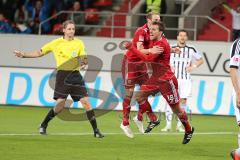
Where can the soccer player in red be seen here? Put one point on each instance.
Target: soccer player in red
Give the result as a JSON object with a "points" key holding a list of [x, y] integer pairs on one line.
{"points": [[163, 79], [135, 71]]}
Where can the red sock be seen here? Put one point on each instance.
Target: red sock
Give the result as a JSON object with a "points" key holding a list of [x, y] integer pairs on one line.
{"points": [[146, 107], [152, 116], [182, 115], [184, 119], [126, 111]]}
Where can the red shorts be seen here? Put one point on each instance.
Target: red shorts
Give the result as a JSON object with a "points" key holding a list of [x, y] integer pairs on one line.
{"points": [[168, 88], [134, 72]]}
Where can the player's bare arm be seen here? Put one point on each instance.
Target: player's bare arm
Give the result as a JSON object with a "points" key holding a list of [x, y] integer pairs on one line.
{"points": [[176, 50], [146, 57], [153, 50], [235, 82], [33, 54], [195, 65]]}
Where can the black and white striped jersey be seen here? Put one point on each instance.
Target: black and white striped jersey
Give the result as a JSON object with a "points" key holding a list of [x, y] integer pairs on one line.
{"points": [[179, 62], [235, 55]]}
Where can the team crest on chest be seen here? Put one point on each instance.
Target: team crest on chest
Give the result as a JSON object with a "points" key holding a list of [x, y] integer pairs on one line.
{"points": [[74, 54]]}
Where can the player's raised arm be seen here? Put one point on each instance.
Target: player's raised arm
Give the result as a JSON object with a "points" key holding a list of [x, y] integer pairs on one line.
{"points": [[34, 54], [154, 49], [143, 56]]}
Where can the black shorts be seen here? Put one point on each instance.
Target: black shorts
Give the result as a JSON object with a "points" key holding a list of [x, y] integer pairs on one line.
{"points": [[69, 83]]}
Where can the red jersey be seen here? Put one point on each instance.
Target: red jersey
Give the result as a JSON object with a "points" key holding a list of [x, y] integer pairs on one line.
{"points": [[142, 34], [160, 62], [163, 58]]}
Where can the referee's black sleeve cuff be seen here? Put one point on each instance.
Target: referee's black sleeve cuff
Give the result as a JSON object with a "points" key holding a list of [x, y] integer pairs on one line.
{"points": [[232, 66]]}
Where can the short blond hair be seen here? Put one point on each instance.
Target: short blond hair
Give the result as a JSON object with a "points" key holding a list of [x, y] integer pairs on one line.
{"points": [[150, 14], [67, 22]]}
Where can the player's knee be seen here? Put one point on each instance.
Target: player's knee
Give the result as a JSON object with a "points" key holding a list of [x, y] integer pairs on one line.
{"points": [[129, 94], [85, 103], [59, 106], [184, 101], [139, 98]]}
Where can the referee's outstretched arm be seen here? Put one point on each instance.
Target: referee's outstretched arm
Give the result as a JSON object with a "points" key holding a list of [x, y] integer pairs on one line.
{"points": [[34, 54]]}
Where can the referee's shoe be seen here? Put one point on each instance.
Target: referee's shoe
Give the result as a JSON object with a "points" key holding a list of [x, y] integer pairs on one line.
{"points": [[43, 130], [98, 134]]}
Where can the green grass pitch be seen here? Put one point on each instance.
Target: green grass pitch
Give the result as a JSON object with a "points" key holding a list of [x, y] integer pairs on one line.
{"points": [[215, 137]]}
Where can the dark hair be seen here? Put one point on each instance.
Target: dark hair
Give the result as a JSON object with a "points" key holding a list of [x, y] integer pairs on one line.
{"points": [[150, 14], [182, 30], [65, 23], [161, 26]]}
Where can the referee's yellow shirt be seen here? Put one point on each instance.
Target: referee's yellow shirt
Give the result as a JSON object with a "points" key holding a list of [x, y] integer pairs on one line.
{"points": [[66, 53]]}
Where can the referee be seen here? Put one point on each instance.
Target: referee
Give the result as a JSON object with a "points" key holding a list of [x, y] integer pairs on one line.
{"points": [[70, 56]]}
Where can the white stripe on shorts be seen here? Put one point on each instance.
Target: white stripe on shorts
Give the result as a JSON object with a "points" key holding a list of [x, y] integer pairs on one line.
{"points": [[174, 90]]}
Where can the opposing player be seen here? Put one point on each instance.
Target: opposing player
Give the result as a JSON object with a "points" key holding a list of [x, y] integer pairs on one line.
{"points": [[182, 65], [70, 56], [135, 71], [163, 79], [235, 77]]}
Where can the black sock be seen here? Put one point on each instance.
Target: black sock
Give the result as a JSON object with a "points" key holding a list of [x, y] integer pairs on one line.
{"points": [[51, 114], [92, 119]]}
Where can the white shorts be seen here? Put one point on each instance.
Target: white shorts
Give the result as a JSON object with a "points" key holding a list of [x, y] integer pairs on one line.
{"points": [[237, 110], [184, 88]]}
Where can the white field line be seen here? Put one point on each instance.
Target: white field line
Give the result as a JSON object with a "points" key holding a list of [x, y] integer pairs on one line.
{"points": [[84, 134]]}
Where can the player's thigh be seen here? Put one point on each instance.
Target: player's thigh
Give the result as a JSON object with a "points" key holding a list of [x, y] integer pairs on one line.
{"points": [[169, 90], [142, 95], [150, 87]]}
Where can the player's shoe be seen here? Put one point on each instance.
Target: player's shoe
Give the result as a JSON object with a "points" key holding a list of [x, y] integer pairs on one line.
{"points": [[126, 129], [42, 130], [188, 136], [180, 129], [166, 129], [139, 124], [98, 134], [151, 125], [234, 155]]}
